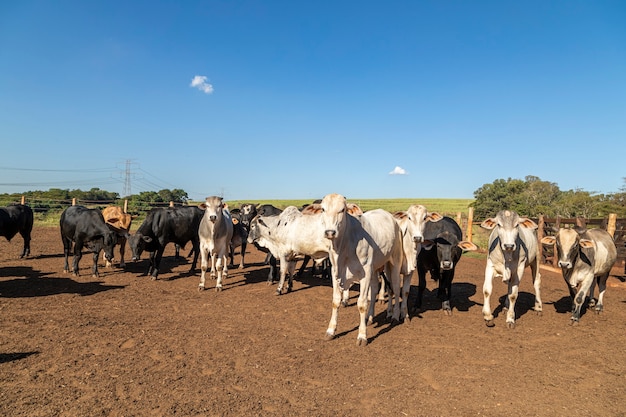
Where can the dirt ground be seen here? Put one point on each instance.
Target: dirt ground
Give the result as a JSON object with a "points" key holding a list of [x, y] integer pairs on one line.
{"points": [[124, 345]]}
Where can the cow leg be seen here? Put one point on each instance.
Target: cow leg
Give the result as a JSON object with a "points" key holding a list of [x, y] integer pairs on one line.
{"points": [[221, 264], [421, 286], [195, 248], [151, 264], [78, 253], [362, 305], [122, 241], [445, 291], [243, 254], [579, 300], [158, 254], [393, 274], [487, 291], [305, 262], [67, 247], [332, 324], [95, 264], [601, 289], [284, 267], [512, 296], [406, 289], [534, 269], [204, 264], [272, 262], [26, 249]]}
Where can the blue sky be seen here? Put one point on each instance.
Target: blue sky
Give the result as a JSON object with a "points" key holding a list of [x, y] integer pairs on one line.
{"points": [[298, 99]]}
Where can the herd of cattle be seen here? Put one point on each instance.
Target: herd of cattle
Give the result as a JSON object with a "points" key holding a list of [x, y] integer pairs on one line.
{"points": [[378, 250]]}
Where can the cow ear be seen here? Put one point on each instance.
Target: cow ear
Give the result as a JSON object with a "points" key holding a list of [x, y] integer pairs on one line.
{"points": [[235, 221], [428, 244], [489, 223], [312, 209], [202, 206], [399, 214], [113, 220], [354, 209], [586, 243], [467, 246], [548, 240], [433, 217], [527, 223]]}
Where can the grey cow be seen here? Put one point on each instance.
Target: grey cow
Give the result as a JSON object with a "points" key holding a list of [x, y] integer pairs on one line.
{"points": [[215, 233], [512, 247], [585, 257]]}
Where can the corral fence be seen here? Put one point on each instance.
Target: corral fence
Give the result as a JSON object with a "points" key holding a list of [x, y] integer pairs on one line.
{"points": [[133, 207]]}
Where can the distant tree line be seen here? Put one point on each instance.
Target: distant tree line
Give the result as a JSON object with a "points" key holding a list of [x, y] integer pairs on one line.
{"points": [[533, 197], [58, 199], [530, 197]]}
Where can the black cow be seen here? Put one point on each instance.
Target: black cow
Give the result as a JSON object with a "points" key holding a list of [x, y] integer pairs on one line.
{"points": [[162, 226], [441, 250], [239, 239], [86, 228], [14, 219]]}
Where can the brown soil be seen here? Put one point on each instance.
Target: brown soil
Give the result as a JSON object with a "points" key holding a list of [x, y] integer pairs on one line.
{"points": [[124, 345]]}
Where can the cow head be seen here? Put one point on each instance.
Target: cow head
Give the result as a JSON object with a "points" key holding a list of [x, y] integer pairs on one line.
{"points": [[108, 244], [506, 225], [569, 244], [137, 243], [449, 249], [413, 221], [247, 213], [213, 208]]}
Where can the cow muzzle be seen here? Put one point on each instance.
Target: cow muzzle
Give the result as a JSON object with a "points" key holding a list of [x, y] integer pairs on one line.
{"points": [[565, 264], [446, 265], [213, 218], [418, 239], [330, 234]]}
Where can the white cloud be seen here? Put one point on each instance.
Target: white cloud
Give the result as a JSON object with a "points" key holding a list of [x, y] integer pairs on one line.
{"points": [[200, 82], [398, 171]]}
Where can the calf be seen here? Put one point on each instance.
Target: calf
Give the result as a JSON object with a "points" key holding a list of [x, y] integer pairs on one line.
{"points": [[178, 225], [441, 251], [585, 257], [85, 227], [360, 246], [14, 219], [240, 239], [216, 233], [120, 223], [512, 247]]}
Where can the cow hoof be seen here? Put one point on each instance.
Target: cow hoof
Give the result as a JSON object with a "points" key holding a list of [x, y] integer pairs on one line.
{"points": [[278, 292], [200, 288], [539, 313], [344, 303], [573, 322], [447, 311], [407, 320], [489, 323], [510, 325], [329, 336], [218, 289], [361, 342]]}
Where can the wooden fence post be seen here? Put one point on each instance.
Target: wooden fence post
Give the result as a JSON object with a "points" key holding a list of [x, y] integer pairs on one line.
{"points": [[74, 201], [171, 204], [540, 235], [23, 201], [470, 220], [125, 206], [612, 224]]}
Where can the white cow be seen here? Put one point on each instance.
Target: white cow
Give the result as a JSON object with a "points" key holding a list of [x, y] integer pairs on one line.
{"points": [[215, 233], [412, 223], [585, 256], [359, 247], [512, 246], [287, 235]]}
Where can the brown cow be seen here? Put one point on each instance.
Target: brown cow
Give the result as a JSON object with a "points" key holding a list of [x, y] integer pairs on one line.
{"points": [[119, 222]]}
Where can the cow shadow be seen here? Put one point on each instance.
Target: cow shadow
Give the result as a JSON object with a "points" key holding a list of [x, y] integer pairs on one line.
{"points": [[16, 356], [525, 303], [462, 292], [33, 283]]}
